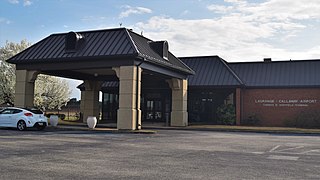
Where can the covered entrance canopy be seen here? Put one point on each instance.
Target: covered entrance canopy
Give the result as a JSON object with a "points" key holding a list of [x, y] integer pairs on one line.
{"points": [[104, 55]]}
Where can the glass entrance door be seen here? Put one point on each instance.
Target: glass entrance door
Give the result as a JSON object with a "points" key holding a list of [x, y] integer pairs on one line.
{"points": [[154, 110]]}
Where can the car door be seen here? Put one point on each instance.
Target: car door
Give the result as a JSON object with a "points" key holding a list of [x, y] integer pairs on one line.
{"points": [[15, 117], [2, 123], [6, 117]]}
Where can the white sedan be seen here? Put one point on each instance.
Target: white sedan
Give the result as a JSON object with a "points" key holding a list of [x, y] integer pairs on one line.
{"points": [[22, 118]]}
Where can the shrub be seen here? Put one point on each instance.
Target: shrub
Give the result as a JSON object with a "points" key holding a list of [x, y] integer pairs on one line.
{"points": [[252, 120], [306, 119], [290, 123], [62, 116], [227, 114]]}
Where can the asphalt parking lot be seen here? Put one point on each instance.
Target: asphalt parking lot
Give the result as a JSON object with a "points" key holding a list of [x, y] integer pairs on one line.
{"points": [[168, 154]]}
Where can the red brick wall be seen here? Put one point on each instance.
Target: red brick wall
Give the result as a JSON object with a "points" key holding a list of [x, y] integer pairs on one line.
{"points": [[274, 107]]}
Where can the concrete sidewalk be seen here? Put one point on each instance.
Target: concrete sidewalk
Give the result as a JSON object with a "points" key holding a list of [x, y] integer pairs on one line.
{"points": [[103, 128], [148, 128], [226, 128]]}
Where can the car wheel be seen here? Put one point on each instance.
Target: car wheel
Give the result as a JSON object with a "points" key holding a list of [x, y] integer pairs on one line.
{"points": [[21, 125]]}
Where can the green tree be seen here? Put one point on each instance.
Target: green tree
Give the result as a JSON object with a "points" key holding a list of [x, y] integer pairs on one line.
{"points": [[50, 92]]}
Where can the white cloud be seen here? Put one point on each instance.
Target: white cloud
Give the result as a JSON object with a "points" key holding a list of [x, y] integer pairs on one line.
{"points": [[13, 1], [281, 10], [185, 12], [133, 10], [235, 1], [243, 32], [93, 18], [220, 9], [4, 20], [27, 2]]}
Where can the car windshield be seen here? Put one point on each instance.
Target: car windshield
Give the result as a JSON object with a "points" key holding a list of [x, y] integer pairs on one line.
{"points": [[34, 111]]}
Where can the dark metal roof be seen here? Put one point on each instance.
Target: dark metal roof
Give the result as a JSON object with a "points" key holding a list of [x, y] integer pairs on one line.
{"points": [[100, 44], [147, 52], [97, 44], [302, 73], [210, 71]]}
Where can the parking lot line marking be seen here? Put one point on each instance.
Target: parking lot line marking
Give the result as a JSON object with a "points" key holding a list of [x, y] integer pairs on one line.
{"points": [[298, 147], [274, 148], [257, 152], [311, 151], [276, 157], [298, 153]]}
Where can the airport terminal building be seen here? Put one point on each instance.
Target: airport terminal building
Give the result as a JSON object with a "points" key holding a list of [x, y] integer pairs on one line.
{"points": [[142, 81]]}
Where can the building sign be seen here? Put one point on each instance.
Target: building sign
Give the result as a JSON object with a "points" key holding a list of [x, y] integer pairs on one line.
{"points": [[285, 102]]}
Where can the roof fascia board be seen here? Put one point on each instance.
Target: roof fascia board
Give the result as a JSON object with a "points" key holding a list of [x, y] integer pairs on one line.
{"points": [[161, 70], [169, 66], [283, 87], [80, 76], [215, 87], [74, 65], [191, 71]]}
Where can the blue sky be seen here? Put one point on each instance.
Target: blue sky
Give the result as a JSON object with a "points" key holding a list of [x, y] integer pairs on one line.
{"points": [[236, 30]]}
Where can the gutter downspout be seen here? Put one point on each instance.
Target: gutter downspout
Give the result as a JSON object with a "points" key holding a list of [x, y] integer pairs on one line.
{"points": [[138, 125]]}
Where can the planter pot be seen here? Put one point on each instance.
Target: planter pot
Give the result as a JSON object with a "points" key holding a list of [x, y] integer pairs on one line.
{"points": [[91, 122], [54, 120]]}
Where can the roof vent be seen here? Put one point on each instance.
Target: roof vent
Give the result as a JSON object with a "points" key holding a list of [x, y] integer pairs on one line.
{"points": [[267, 59], [161, 48], [73, 41]]}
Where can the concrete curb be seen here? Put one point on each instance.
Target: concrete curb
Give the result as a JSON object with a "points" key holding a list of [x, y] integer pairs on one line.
{"points": [[299, 132], [152, 129], [96, 130]]}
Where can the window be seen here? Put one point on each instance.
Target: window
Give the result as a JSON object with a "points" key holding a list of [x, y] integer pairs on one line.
{"points": [[110, 106], [7, 111], [16, 111], [34, 111]]}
